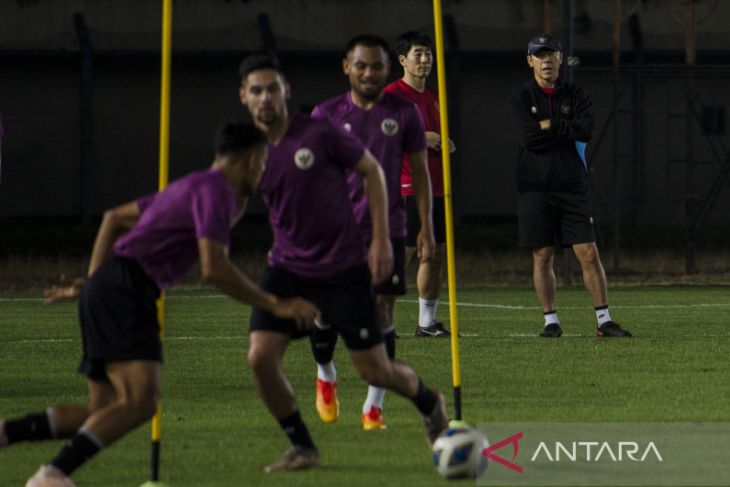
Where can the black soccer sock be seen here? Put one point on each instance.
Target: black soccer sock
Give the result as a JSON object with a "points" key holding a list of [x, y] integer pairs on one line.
{"points": [[389, 337], [297, 431], [33, 427], [425, 399], [77, 451], [323, 344]]}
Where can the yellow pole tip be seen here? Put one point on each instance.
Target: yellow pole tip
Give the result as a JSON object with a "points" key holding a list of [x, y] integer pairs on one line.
{"points": [[457, 423]]}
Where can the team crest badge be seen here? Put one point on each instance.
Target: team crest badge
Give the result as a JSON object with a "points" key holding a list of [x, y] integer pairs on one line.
{"points": [[533, 109], [347, 127], [304, 158], [565, 108], [389, 126]]}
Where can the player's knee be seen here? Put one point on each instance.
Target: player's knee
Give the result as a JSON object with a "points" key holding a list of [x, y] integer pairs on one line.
{"points": [[261, 363], [587, 253], [376, 375]]}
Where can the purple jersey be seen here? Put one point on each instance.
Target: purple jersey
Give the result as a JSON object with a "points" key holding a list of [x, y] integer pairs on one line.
{"points": [[304, 186], [165, 239], [392, 128]]}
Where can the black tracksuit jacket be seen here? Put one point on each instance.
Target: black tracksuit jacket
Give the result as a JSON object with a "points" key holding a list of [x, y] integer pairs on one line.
{"points": [[548, 159]]}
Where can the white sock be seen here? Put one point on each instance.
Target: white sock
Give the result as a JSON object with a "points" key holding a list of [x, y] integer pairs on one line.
{"points": [[427, 311], [551, 317], [327, 372], [602, 315], [51, 423], [376, 395]]}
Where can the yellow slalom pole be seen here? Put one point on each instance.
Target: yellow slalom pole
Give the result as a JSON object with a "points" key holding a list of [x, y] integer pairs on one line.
{"points": [[156, 433], [448, 204]]}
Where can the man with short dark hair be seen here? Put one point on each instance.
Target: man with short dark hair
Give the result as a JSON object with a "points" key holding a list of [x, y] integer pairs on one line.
{"points": [[553, 121], [415, 55], [319, 252], [392, 129], [142, 247]]}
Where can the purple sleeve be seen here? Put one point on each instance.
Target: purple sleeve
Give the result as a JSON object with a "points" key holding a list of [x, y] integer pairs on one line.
{"points": [[144, 202], [415, 136], [317, 112], [212, 213], [346, 149]]}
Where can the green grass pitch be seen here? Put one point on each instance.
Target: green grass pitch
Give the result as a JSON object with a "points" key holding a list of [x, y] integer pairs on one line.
{"points": [[216, 431]]}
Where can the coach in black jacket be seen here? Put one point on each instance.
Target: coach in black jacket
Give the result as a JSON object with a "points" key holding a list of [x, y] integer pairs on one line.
{"points": [[553, 122]]}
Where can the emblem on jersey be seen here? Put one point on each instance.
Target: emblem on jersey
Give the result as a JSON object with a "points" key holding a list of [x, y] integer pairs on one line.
{"points": [[565, 108], [389, 126], [533, 109], [304, 158], [347, 127]]}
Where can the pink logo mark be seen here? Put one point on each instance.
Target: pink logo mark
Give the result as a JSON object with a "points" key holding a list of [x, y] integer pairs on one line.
{"points": [[514, 439]]}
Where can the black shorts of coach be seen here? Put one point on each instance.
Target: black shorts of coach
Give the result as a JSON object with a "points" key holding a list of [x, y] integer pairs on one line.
{"points": [[346, 301], [413, 220], [118, 317], [395, 284], [554, 218]]}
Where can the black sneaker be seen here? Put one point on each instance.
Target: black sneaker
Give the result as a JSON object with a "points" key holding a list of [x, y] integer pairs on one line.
{"points": [[435, 330], [552, 331], [611, 329]]}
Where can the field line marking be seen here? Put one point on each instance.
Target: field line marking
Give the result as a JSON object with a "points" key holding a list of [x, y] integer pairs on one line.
{"points": [[461, 304]]}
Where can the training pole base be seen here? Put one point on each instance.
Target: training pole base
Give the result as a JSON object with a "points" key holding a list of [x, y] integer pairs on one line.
{"points": [[154, 484]]}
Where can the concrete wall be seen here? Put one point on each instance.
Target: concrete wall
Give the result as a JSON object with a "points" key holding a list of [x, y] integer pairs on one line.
{"points": [[40, 102]]}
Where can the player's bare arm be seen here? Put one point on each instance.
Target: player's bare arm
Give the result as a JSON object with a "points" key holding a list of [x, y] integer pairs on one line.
{"points": [[380, 254], [115, 223], [425, 242], [217, 269]]}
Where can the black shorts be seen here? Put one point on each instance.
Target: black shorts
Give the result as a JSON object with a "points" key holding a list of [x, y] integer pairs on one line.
{"points": [[413, 221], [396, 283], [345, 300], [547, 219], [118, 317]]}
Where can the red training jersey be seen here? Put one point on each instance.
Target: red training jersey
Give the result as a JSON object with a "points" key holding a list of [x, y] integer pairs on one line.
{"points": [[428, 105]]}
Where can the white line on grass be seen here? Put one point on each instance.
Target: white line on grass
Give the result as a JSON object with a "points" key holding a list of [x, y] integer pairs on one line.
{"points": [[517, 307]]}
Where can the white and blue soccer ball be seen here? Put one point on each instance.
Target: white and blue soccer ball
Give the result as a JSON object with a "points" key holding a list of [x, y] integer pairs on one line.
{"points": [[457, 453]]}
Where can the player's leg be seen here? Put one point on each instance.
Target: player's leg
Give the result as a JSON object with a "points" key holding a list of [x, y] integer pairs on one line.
{"points": [[372, 408], [323, 339], [136, 390], [355, 316], [537, 219], [374, 366], [594, 278], [385, 296], [428, 279], [268, 340], [56, 422], [265, 354], [577, 230]]}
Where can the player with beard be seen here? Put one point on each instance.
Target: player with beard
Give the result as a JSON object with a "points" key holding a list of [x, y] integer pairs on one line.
{"points": [[318, 252], [392, 129]]}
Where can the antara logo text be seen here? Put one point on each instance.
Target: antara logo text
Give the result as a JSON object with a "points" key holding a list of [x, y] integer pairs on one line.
{"points": [[576, 451]]}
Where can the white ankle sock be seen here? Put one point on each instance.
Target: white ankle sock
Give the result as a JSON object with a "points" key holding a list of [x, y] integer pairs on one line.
{"points": [[602, 315], [376, 395], [427, 311], [327, 372], [551, 317]]}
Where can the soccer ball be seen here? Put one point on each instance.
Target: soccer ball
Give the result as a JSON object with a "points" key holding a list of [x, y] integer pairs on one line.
{"points": [[457, 453]]}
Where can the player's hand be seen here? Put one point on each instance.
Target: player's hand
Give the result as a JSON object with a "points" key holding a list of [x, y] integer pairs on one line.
{"points": [[61, 292], [300, 310], [425, 244], [545, 124], [433, 140], [452, 147], [380, 259]]}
